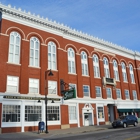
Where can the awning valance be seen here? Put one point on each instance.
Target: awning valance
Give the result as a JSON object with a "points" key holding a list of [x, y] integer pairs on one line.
{"points": [[128, 110]]}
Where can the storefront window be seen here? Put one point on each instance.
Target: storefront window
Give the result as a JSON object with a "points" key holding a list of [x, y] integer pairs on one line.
{"points": [[11, 113], [33, 113], [53, 113], [72, 113], [100, 113]]}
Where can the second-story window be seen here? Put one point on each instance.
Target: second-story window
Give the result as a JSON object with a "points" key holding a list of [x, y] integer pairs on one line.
{"points": [[106, 68], [115, 68], [124, 72], [127, 96], [96, 66], [71, 61], [33, 85], [109, 92], [131, 73], [34, 52], [51, 55], [86, 91], [14, 48], [134, 94], [84, 63]]}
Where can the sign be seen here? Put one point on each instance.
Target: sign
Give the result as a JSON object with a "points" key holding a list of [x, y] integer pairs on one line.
{"points": [[29, 98], [69, 94]]}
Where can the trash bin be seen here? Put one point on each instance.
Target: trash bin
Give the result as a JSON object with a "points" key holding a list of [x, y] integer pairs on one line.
{"points": [[41, 126]]}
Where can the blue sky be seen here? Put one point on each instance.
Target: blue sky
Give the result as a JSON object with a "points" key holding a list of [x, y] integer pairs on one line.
{"points": [[116, 21]]}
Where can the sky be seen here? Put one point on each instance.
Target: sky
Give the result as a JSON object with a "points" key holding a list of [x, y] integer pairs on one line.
{"points": [[116, 21]]}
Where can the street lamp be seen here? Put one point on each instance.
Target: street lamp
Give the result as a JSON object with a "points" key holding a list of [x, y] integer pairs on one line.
{"points": [[47, 73]]}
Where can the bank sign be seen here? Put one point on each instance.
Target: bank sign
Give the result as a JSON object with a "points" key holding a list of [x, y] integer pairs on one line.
{"points": [[69, 94]]}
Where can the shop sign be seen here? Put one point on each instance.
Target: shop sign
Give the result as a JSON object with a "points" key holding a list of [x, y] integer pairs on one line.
{"points": [[69, 94], [29, 98]]}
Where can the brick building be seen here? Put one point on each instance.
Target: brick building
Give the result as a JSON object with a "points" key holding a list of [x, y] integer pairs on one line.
{"points": [[106, 76]]}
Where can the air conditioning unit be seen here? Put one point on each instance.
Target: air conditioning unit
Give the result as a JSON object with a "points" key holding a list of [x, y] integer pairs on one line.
{"points": [[109, 81]]}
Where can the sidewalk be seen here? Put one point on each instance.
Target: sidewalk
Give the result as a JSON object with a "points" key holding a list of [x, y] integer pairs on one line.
{"points": [[52, 133]]}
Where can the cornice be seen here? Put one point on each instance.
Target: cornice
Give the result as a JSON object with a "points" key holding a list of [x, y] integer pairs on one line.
{"points": [[44, 22]]}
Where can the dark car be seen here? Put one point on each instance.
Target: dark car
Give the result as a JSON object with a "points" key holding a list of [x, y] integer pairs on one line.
{"points": [[124, 121]]}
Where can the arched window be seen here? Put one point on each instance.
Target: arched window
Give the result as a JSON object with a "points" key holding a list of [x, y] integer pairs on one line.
{"points": [[96, 66], [106, 68], [131, 73], [84, 63], [115, 68], [124, 72], [71, 60], [51, 55], [34, 51], [14, 48]]}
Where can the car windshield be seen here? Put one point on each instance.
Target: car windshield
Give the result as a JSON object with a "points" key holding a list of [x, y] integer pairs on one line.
{"points": [[121, 117]]}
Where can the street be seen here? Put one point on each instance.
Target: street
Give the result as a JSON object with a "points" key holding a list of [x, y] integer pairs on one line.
{"points": [[98, 133], [130, 133]]}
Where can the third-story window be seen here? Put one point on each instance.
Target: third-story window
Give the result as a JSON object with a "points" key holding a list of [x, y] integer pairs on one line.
{"points": [[131, 73], [14, 48], [33, 85], [109, 92], [51, 55], [71, 61], [124, 72], [86, 90], [98, 91], [134, 94], [84, 63], [127, 94], [96, 66], [106, 68], [34, 52], [118, 93], [115, 68]]}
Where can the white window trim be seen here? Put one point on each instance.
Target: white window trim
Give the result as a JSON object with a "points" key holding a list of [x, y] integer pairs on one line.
{"points": [[100, 91], [124, 71], [37, 87], [53, 89], [106, 67], [89, 91], [115, 69], [73, 121], [34, 54], [100, 119], [75, 88], [133, 94], [131, 73], [96, 64], [120, 93], [71, 59], [128, 94], [111, 93], [51, 57], [14, 48], [84, 62], [17, 84]]}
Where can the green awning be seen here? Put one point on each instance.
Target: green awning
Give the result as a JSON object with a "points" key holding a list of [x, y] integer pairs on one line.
{"points": [[128, 110]]}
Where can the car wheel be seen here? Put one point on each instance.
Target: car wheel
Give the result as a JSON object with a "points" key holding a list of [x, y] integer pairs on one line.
{"points": [[135, 123], [124, 125]]}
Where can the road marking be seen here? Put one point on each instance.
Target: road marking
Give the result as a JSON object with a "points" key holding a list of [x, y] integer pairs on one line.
{"points": [[133, 138]]}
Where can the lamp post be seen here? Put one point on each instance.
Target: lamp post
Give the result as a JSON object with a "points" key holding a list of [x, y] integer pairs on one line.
{"points": [[47, 73]]}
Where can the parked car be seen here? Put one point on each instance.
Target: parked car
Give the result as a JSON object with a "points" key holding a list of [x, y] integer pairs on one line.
{"points": [[124, 121]]}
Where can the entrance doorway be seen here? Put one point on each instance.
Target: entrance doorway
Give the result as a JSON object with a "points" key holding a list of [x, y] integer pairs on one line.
{"points": [[87, 119], [110, 112]]}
